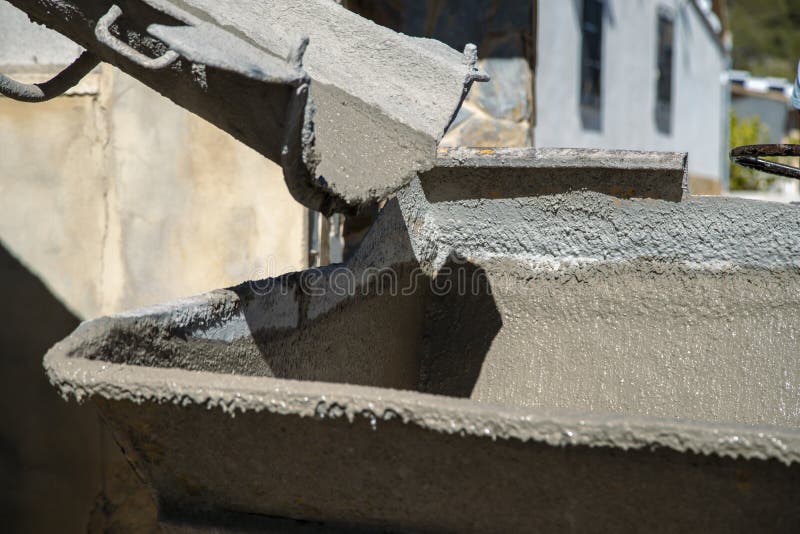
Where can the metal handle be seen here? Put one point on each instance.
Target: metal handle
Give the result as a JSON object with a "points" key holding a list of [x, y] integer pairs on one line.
{"points": [[103, 33], [749, 156], [57, 85]]}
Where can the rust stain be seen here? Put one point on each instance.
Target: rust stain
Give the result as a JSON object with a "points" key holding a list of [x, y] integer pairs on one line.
{"points": [[622, 192]]}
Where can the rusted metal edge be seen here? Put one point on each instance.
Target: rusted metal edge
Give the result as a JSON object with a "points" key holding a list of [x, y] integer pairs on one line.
{"points": [[462, 173], [750, 156]]}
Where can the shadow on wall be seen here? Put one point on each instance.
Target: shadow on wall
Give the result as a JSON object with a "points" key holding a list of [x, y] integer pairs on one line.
{"points": [[393, 327], [460, 324], [49, 449], [61, 470]]}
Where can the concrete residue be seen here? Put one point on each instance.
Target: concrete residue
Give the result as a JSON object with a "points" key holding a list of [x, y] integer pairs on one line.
{"points": [[555, 210], [548, 327], [571, 319], [587, 301], [234, 394], [376, 106], [526, 172]]}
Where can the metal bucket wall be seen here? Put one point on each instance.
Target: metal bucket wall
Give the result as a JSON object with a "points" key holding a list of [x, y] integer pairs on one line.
{"points": [[565, 298], [675, 307], [596, 358]]}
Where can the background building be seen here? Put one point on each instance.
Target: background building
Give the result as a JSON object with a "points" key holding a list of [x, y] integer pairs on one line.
{"points": [[761, 112], [647, 75], [637, 75], [766, 98]]}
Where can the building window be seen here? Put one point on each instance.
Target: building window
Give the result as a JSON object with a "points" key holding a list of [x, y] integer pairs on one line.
{"points": [[591, 62], [664, 73]]}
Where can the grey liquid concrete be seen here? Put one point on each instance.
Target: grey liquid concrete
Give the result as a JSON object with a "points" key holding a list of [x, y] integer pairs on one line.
{"points": [[618, 362]]}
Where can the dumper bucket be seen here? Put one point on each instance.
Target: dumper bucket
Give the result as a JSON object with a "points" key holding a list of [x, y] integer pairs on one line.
{"points": [[525, 340]]}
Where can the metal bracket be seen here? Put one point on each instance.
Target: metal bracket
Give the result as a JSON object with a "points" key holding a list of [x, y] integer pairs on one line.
{"points": [[750, 156], [103, 33]]}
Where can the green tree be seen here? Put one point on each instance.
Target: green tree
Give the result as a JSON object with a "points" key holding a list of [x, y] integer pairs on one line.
{"points": [[766, 36], [748, 131]]}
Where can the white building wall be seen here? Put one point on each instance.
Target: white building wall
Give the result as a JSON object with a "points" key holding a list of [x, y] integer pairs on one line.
{"points": [[629, 82]]}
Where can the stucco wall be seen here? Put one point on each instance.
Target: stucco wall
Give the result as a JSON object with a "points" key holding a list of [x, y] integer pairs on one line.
{"points": [[117, 198], [111, 197], [629, 82]]}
